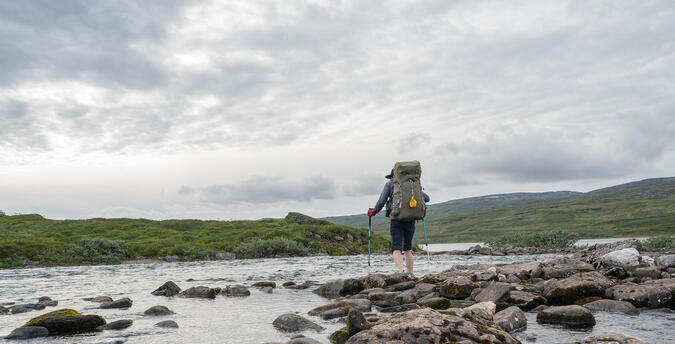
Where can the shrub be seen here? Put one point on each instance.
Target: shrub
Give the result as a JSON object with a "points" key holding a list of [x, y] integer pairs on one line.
{"points": [[545, 239], [660, 243], [275, 247], [96, 251]]}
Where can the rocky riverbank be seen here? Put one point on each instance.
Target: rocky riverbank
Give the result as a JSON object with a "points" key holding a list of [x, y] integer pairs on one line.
{"points": [[473, 303]]}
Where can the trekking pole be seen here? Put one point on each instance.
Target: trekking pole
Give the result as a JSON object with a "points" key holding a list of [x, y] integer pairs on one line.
{"points": [[426, 242], [369, 229]]}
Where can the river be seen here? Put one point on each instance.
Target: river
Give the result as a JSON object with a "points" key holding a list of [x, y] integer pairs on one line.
{"points": [[249, 319]]}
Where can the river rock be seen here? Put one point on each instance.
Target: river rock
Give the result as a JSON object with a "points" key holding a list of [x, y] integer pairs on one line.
{"points": [[356, 322], [236, 291], [482, 310], [200, 292], [609, 338], [435, 303], [294, 323], [24, 308], [28, 332], [375, 281], [617, 272], [572, 316], [3, 310], [496, 292], [117, 325], [647, 272], [525, 300], [396, 278], [614, 306], [99, 299], [511, 319], [66, 320], [643, 295], [666, 261], [167, 289], [429, 326], [340, 288], [303, 340], [457, 287], [158, 311], [167, 324], [620, 258], [401, 286], [47, 301], [265, 284], [523, 271], [121, 303], [414, 294], [563, 267], [578, 286], [399, 308]]}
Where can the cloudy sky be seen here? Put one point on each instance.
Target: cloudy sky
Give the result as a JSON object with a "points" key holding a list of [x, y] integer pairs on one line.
{"points": [[250, 109]]}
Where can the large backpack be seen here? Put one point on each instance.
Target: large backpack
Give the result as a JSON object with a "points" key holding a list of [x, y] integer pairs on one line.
{"points": [[407, 200]]}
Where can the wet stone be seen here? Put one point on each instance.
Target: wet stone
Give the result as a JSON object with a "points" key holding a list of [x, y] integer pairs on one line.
{"points": [[167, 324], [28, 332]]}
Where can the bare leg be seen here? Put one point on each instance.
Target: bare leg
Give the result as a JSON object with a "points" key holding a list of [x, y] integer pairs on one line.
{"points": [[409, 260], [398, 260]]}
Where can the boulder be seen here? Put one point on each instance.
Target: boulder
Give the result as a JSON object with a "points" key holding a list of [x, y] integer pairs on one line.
{"points": [[158, 311], [66, 320], [47, 301], [666, 261], [620, 258], [375, 281], [642, 295], [609, 338], [356, 322], [435, 303], [647, 272], [167, 324], [580, 285], [522, 270], [117, 325], [121, 303], [457, 287], [167, 289], [429, 326], [384, 299], [339, 337], [340, 288], [236, 291], [396, 278], [482, 310], [200, 292], [28, 332], [613, 306], [511, 319], [399, 308], [617, 272], [99, 299], [401, 286], [294, 323], [526, 301], [303, 340], [571, 316], [23, 308], [412, 295], [496, 292], [563, 267]]}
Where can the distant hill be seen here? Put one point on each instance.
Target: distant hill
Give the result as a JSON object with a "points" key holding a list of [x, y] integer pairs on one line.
{"points": [[641, 208]]}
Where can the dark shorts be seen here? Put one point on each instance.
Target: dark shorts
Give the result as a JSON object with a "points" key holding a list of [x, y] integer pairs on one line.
{"points": [[401, 235]]}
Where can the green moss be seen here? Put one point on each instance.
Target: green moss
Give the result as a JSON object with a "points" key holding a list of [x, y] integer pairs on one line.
{"points": [[339, 336]]}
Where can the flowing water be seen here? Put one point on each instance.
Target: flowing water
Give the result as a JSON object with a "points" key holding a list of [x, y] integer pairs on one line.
{"points": [[249, 319]]}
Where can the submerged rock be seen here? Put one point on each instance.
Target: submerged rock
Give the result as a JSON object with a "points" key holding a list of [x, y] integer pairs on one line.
{"points": [[28, 332], [236, 291], [167, 324], [121, 303], [158, 311], [609, 338], [200, 292], [65, 320], [265, 284], [167, 289], [99, 299], [117, 325], [429, 326], [571, 316], [340, 288], [294, 323]]}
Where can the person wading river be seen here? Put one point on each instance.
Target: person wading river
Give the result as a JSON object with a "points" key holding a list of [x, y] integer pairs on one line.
{"points": [[405, 202]]}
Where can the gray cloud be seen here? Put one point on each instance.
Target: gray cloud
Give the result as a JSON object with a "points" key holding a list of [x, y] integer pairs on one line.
{"points": [[262, 190]]}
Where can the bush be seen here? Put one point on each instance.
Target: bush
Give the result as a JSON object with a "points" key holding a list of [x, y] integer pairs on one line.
{"points": [[275, 247], [660, 243], [96, 251], [546, 239]]}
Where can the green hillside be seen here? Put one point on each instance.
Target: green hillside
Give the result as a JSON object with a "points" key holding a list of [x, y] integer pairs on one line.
{"points": [[644, 208], [54, 242]]}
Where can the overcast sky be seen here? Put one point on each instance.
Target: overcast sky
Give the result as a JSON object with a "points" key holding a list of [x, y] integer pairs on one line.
{"points": [[250, 109]]}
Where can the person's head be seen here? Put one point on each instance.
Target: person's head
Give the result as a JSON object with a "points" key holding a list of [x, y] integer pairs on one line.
{"points": [[390, 175]]}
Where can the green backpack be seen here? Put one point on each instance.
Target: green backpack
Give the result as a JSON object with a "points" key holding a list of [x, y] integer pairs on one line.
{"points": [[407, 201]]}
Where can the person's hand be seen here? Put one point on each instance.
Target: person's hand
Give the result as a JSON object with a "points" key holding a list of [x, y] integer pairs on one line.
{"points": [[370, 212]]}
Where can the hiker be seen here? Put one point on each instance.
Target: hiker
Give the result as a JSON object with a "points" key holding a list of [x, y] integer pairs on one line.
{"points": [[402, 227]]}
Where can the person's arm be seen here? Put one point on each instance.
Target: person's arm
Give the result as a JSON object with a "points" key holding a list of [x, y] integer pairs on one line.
{"points": [[384, 195], [426, 197]]}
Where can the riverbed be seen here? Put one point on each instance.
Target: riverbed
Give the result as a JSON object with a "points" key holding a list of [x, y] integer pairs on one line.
{"points": [[249, 319]]}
